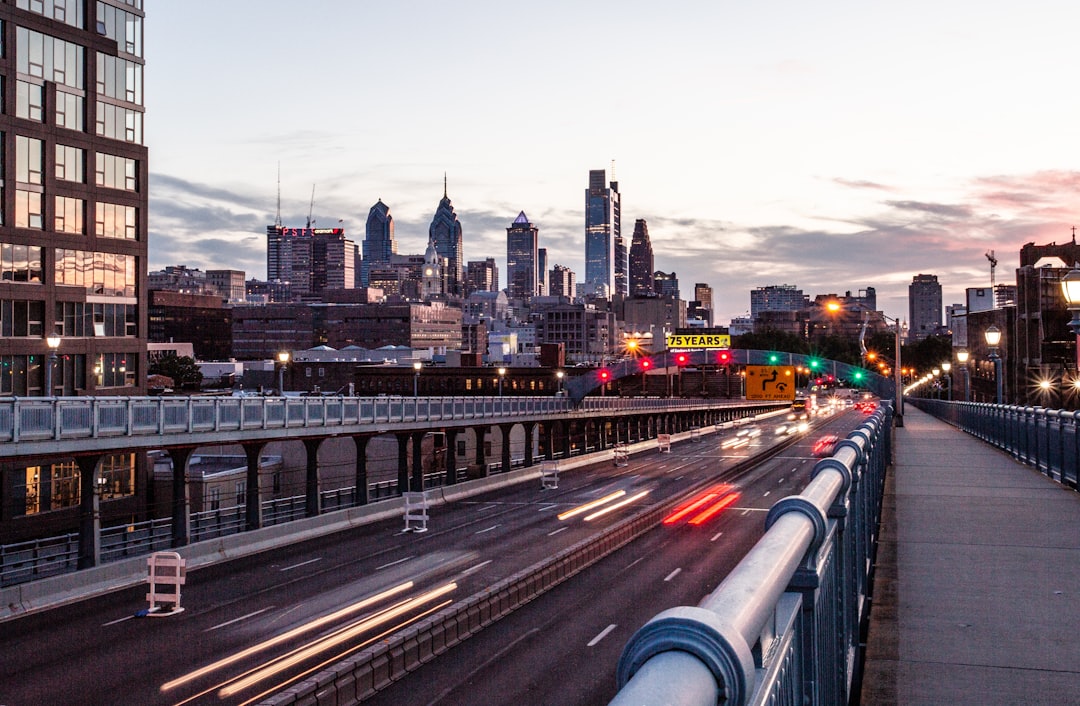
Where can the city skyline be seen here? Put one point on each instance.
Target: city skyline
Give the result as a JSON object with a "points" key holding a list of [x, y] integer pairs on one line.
{"points": [[832, 147]]}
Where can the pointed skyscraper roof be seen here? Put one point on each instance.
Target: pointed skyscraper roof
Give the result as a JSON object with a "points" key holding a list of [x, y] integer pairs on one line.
{"points": [[522, 219]]}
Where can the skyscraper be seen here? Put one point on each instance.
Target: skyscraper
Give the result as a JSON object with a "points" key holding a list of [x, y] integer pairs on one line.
{"points": [[602, 234], [73, 225], [521, 246], [379, 242], [924, 306], [641, 261], [311, 260], [445, 232], [541, 271], [665, 284], [481, 276], [562, 282]]}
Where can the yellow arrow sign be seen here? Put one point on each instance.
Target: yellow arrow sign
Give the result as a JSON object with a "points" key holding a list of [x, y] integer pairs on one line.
{"points": [[770, 382]]}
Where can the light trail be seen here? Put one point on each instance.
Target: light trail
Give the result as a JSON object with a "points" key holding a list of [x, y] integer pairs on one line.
{"points": [[616, 506], [313, 649], [724, 502], [590, 505], [306, 627]]}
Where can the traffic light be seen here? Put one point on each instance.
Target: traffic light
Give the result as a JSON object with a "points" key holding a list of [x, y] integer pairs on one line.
{"points": [[813, 363], [605, 375], [646, 363], [724, 357], [774, 359], [682, 359], [858, 376]]}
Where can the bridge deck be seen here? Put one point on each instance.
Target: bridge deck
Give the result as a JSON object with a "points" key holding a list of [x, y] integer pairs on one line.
{"points": [[977, 592]]}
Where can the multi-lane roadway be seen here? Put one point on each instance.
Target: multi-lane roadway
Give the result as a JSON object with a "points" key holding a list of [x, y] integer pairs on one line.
{"points": [[252, 626]]}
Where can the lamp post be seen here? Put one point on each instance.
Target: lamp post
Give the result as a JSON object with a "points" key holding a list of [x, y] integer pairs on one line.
{"points": [[502, 374], [937, 389], [993, 338], [945, 368], [416, 366], [559, 375], [53, 342], [283, 360], [962, 357], [1070, 287]]}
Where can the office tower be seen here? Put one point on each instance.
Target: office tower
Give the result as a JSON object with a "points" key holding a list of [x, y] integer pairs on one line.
{"points": [[73, 225], [481, 276], [924, 306], [445, 232], [602, 232], [703, 294], [311, 260], [562, 281], [777, 297], [665, 284], [641, 261], [521, 256], [542, 271], [379, 242]]}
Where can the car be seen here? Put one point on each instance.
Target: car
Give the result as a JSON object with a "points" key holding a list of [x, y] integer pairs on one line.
{"points": [[825, 446]]}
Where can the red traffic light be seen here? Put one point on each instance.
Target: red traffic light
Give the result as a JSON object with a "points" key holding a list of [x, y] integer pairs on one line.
{"points": [[724, 357], [605, 375], [682, 358], [646, 363]]}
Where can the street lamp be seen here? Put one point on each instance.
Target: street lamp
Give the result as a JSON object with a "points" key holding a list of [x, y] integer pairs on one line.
{"points": [[283, 360], [962, 357], [559, 375], [502, 374], [1070, 287], [945, 368], [993, 338], [53, 342], [416, 366]]}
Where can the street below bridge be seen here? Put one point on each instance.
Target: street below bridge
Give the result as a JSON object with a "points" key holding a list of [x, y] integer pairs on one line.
{"points": [[333, 595]]}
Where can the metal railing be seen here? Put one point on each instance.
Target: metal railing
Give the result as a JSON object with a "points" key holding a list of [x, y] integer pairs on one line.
{"points": [[73, 418], [1047, 439], [783, 627]]}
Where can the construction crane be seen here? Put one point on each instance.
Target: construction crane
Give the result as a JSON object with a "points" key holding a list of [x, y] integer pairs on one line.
{"points": [[993, 266], [311, 208]]}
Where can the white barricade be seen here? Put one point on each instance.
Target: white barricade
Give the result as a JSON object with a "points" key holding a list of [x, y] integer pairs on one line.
{"points": [[621, 454], [166, 574], [549, 475], [416, 512], [663, 443], [695, 433]]}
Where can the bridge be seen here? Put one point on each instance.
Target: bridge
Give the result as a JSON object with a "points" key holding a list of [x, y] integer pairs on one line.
{"points": [[937, 604]]}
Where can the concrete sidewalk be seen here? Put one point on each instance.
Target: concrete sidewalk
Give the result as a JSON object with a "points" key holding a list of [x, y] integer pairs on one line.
{"points": [[976, 597]]}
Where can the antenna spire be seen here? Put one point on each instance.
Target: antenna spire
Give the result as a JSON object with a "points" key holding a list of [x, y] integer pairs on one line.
{"points": [[445, 196], [277, 218], [311, 208]]}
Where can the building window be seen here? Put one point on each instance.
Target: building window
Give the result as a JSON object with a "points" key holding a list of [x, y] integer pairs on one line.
{"points": [[22, 319], [119, 123], [20, 263], [28, 209], [29, 99], [69, 111], [115, 370], [64, 486], [112, 220], [116, 478], [29, 159], [70, 12], [115, 172], [124, 27], [70, 164], [120, 79], [48, 58], [69, 215], [241, 492], [109, 274]]}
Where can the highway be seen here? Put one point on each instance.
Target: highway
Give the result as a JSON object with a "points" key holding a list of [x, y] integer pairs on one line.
{"points": [[252, 626]]}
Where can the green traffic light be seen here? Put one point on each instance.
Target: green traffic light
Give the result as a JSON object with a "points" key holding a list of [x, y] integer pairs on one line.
{"points": [[858, 375], [814, 363], [773, 358]]}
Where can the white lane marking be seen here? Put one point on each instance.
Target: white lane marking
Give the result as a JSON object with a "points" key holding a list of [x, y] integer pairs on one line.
{"points": [[549, 507], [672, 575], [399, 561], [766, 494], [303, 563], [236, 620], [601, 636], [119, 620], [487, 530], [746, 512], [485, 509], [561, 529], [635, 561], [716, 536]]}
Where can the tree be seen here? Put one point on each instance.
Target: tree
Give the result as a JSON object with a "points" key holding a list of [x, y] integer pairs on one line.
{"points": [[182, 369]]}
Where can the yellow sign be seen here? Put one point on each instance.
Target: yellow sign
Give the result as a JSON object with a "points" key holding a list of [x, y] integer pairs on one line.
{"points": [[770, 382], [696, 340]]}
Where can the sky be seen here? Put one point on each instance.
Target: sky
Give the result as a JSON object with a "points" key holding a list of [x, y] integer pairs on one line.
{"points": [[833, 145]]}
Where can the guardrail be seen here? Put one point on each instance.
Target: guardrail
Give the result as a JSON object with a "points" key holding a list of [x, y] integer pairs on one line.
{"points": [[1047, 439], [72, 418], [783, 627]]}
